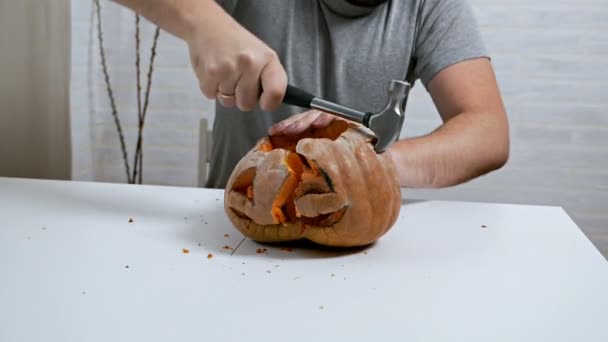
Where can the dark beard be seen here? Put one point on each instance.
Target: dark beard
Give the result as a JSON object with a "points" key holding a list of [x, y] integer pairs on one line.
{"points": [[365, 3]]}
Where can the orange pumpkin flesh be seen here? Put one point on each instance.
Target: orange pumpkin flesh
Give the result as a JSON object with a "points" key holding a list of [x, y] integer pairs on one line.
{"points": [[326, 185]]}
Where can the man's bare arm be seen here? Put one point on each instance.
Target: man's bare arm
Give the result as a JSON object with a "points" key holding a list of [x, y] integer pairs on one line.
{"points": [[225, 56], [474, 138]]}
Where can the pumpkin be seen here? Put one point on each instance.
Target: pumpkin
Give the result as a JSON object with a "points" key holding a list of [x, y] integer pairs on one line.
{"points": [[326, 185]]}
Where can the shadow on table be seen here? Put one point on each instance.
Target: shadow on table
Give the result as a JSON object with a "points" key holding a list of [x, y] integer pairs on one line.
{"points": [[411, 201], [300, 249]]}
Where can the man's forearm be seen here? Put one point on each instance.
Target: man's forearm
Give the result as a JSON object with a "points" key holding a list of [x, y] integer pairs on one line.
{"points": [[465, 147], [178, 17]]}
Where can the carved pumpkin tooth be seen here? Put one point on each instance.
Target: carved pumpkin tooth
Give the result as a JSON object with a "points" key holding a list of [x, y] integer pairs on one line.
{"points": [[266, 146], [283, 208]]}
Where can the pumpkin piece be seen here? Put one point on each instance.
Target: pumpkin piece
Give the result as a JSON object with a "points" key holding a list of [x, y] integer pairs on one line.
{"points": [[326, 185], [285, 195]]}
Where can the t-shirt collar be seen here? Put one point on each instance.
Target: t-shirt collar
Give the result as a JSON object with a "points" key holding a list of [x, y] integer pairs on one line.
{"points": [[344, 8]]}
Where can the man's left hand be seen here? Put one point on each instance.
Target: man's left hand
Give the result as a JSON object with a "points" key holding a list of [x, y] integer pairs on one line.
{"points": [[299, 123]]}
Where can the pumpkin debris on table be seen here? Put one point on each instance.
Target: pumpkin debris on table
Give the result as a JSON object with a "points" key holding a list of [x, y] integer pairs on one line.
{"points": [[326, 185], [185, 251]]}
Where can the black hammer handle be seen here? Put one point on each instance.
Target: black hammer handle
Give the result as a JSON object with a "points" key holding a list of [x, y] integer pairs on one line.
{"points": [[297, 97]]}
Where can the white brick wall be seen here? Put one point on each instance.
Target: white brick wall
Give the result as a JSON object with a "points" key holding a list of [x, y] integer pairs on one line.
{"points": [[550, 59], [171, 132]]}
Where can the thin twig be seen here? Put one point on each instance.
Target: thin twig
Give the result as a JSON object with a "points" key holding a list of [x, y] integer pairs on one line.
{"points": [[139, 112], [139, 149], [110, 93]]}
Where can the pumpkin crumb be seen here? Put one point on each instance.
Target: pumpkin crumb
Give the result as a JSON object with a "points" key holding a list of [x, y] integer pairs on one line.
{"points": [[226, 235], [260, 250], [321, 307], [227, 247], [185, 250], [126, 266], [130, 220], [287, 249], [365, 252], [333, 275], [483, 226], [209, 256]]}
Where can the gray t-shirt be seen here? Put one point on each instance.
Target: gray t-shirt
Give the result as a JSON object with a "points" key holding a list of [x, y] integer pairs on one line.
{"points": [[342, 53]]}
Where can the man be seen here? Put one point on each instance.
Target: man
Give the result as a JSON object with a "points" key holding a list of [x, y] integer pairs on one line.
{"points": [[245, 52]]}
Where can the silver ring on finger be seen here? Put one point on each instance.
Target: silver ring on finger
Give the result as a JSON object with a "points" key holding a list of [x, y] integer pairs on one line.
{"points": [[227, 100]]}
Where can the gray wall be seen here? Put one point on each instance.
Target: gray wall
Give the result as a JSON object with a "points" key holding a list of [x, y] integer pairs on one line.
{"points": [[550, 58]]}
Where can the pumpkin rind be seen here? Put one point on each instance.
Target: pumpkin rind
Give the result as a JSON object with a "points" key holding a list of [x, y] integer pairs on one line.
{"points": [[346, 194]]}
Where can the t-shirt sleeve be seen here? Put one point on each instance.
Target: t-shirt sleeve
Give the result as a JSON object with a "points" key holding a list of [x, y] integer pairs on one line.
{"points": [[447, 34]]}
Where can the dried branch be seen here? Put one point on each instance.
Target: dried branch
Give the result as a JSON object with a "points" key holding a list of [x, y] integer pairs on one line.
{"points": [[139, 150], [139, 112], [110, 92]]}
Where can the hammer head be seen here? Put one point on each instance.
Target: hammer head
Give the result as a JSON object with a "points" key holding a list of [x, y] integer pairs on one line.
{"points": [[387, 124]]}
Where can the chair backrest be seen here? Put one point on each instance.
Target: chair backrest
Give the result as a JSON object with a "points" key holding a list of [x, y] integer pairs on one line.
{"points": [[204, 152]]}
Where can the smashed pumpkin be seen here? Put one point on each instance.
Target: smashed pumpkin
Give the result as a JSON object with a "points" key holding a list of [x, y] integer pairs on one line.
{"points": [[327, 185]]}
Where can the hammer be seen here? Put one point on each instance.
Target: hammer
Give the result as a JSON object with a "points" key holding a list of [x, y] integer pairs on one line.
{"points": [[386, 124]]}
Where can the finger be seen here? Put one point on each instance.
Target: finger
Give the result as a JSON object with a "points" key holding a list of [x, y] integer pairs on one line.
{"points": [[209, 76], [247, 90], [274, 85], [226, 90], [206, 88], [300, 125], [323, 120], [279, 128]]}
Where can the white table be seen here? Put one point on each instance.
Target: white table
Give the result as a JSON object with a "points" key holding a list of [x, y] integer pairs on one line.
{"points": [[73, 268]]}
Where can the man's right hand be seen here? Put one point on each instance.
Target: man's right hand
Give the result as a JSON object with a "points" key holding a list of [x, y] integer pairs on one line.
{"points": [[235, 67], [232, 65]]}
